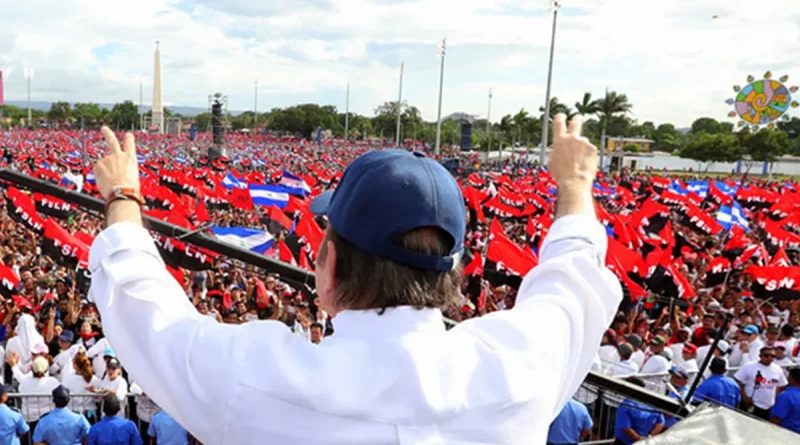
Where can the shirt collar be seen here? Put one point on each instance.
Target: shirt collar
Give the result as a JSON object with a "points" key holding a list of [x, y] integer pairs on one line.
{"points": [[393, 322]]}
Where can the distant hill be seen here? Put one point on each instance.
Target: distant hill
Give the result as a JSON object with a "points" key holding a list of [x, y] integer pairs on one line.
{"points": [[182, 110]]}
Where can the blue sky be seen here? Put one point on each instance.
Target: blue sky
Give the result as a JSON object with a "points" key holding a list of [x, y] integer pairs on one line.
{"points": [[673, 59]]}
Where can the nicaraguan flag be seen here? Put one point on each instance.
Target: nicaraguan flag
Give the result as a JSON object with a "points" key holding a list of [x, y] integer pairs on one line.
{"points": [[141, 158], [181, 159], [727, 217], [725, 188], [90, 178], [267, 195], [253, 240], [676, 187], [230, 181], [72, 181], [294, 184], [700, 188]]}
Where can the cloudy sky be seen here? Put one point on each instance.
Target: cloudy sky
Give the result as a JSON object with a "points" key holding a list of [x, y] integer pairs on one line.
{"points": [[671, 57]]}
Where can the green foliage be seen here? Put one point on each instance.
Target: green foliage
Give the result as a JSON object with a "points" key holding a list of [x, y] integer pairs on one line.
{"points": [[91, 113], [631, 148], [765, 145], [610, 106], [202, 122], [706, 147], [385, 120], [666, 138], [707, 125], [59, 112], [303, 119], [587, 105], [124, 116]]}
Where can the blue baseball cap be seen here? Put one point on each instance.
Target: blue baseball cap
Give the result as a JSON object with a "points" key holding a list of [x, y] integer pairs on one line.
{"points": [[750, 329], [385, 194]]}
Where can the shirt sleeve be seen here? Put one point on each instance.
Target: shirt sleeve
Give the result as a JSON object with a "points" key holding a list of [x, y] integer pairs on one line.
{"points": [[563, 307], [624, 418], [23, 427], [184, 361], [85, 427], [151, 430], [742, 374], [586, 423], [136, 438], [781, 407]]}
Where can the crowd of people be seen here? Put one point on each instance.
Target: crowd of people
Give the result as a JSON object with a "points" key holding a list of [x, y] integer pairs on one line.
{"points": [[699, 259]]}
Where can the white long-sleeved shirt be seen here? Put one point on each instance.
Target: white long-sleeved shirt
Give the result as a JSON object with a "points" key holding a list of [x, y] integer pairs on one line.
{"points": [[396, 378]]}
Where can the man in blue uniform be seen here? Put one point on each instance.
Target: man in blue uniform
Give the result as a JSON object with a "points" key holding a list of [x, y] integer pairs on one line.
{"points": [[679, 379], [166, 431], [719, 388], [12, 425], [62, 426], [636, 421], [572, 424], [113, 429], [786, 411]]}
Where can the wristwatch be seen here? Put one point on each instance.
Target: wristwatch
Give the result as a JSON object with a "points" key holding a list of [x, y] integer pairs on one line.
{"points": [[128, 193]]}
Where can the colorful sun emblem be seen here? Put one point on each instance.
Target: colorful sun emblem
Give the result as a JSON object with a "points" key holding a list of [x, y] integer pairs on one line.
{"points": [[763, 102]]}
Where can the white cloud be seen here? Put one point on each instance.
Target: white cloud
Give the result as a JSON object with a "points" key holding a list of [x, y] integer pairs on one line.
{"points": [[673, 60]]}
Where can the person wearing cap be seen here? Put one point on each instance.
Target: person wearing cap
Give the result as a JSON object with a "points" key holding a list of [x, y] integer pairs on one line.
{"points": [[40, 384], [678, 389], [113, 382], [389, 262], [61, 426], [747, 341], [657, 361], [722, 350], [689, 354], [681, 337], [781, 359], [636, 421], [62, 363], [113, 429], [719, 388], [12, 425], [760, 381], [625, 366], [786, 411], [638, 355]]}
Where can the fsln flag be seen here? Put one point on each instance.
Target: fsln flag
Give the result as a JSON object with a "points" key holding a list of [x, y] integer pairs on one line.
{"points": [[253, 240], [231, 181], [294, 184], [267, 195]]}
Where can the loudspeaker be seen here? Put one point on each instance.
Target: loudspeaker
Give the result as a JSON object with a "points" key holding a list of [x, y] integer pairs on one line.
{"points": [[216, 122], [466, 137]]}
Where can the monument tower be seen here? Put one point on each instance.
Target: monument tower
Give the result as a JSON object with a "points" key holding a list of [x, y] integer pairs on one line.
{"points": [[158, 105]]}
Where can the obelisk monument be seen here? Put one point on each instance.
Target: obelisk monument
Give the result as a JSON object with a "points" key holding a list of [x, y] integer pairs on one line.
{"points": [[158, 105]]}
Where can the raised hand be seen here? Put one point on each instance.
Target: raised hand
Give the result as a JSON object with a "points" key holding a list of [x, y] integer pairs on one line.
{"points": [[120, 168], [573, 164]]}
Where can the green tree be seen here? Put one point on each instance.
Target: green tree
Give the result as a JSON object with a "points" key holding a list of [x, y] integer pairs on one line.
{"points": [[631, 148], [124, 116], [59, 112], [706, 125], [765, 145], [303, 119], [666, 138], [706, 147], [609, 107], [91, 113], [587, 105], [645, 130], [557, 107], [202, 121]]}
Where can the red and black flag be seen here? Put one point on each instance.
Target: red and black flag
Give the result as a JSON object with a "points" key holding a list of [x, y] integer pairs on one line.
{"points": [[20, 208], [701, 222], [54, 207], [8, 281], [62, 246], [776, 283], [176, 253], [718, 270]]}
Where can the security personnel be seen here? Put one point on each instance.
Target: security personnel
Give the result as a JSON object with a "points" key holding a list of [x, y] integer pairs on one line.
{"points": [[786, 411], [679, 379], [719, 388], [113, 429], [12, 425], [636, 421], [571, 425], [61, 426]]}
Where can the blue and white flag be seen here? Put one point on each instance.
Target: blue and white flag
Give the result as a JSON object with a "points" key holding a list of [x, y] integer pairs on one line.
{"points": [[269, 195], [72, 181], [727, 217], [90, 178], [294, 184], [230, 181], [141, 158], [725, 188], [253, 240], [675, 186], [700, 188], [181, 159]]}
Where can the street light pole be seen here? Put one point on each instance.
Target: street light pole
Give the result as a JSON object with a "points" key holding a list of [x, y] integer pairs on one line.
{"points": [[399, 106], [489, 124], [255, 109], [442, 52], [29, 76], [141, 112], [546, 117], [347, 113]]}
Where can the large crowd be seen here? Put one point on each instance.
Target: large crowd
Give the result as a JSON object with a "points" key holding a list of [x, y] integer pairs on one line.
{"points": [[699, 258]]}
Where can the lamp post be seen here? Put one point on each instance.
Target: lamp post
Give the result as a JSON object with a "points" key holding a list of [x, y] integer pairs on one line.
{"points": [[347, 113], [442, 53], [489, 124], [546, 118], [255, 109], [28, 76], [399, 106], [141, 111]]}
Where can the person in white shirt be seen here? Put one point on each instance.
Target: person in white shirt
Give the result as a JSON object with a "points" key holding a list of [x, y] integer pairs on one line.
{"points": [[657, 361], [625, 366], [389, 262], [38, 382], [747, 347], [100, 353], [638, 355], [82, 381], [781, 359], [683, 336], [62, 363], [608, 354], [787, 337], [113, 382], [723, 350], [759, 382], [22, 343]]}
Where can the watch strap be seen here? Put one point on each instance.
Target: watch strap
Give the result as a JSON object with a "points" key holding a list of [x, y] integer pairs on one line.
{"points": [[126, 193]]}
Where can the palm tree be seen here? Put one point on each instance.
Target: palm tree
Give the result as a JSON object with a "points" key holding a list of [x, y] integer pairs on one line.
{"points": [[587, 105], [520, 120], [608, 107], [557, 107]]}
